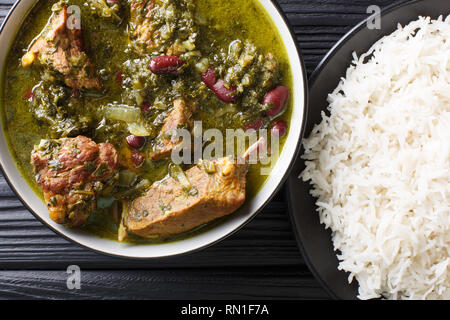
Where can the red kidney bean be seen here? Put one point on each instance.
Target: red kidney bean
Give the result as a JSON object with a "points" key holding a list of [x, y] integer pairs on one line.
{"points": [[218, 86], [277, 97], [223, 93], [119, 77], [256, 125], [209, 78], [279, 128], [135, 141], [145, 108], [165, 65]]}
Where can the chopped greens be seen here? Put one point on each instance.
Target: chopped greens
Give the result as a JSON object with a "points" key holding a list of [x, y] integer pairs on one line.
{"points": [[119, 40]]}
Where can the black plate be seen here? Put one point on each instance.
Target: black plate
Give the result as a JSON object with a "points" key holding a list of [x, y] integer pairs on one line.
{"points": [[313, 240]]}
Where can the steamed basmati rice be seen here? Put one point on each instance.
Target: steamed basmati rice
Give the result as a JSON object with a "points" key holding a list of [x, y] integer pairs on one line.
{"points": [[379, 165]]}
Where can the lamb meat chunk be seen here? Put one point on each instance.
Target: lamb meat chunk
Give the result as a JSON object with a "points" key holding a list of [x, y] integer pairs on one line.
{"points": [[71, 172], [167, 208], [180, 117], [60, 48]]}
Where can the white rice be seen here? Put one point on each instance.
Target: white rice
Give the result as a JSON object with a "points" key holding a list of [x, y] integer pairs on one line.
{"points": [[380, 167]]}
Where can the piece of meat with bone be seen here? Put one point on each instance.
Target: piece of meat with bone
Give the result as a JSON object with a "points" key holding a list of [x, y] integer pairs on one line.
{"points": [[183, 201], [60, 48], [179, 118], [71, 172]]}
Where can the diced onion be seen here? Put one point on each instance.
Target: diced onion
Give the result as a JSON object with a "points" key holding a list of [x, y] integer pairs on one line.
{"points": [[122, 113], [178, 174], [138, 129]]}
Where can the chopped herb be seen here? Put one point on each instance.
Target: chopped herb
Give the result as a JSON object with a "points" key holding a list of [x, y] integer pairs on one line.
{"points": [[77, 204], [93, 94], [101, 170], [89, 166], [137, 216], [89, 193], [164, 207], [55, 164], [192, 192], [75, 149], [53, 201]]}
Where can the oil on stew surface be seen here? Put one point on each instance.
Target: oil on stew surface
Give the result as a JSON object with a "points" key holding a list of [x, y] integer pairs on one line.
{"points": [[94, 91]]}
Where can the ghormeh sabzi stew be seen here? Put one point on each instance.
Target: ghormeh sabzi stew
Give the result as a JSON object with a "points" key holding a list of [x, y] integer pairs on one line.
{"points": [[94, 91]]}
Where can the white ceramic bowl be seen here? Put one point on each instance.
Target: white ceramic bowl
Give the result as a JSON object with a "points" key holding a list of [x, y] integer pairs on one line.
{"points": [[8, 31]]}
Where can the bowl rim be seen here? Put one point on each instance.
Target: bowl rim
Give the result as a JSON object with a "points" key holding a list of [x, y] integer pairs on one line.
{"points": [[281, 182], [312, 80]]}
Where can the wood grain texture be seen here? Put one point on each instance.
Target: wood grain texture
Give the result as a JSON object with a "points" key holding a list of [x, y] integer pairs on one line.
{"points": [[163, 284], [259, 261]]}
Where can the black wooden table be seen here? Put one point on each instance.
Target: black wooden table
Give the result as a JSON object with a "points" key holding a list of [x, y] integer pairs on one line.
{"points": [[261, 261]]}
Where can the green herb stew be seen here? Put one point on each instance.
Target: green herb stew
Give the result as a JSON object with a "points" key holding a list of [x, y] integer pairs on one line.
{"points": [[104, 102]]}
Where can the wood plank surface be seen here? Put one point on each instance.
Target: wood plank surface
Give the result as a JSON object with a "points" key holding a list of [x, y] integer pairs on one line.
{"points": [[260, 261], [266, 283]]}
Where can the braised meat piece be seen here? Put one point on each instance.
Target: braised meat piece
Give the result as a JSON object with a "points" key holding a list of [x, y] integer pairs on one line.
{"points": [[60, 48], [71, 172], [216, 189], [162, 26], [180, 117]]}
